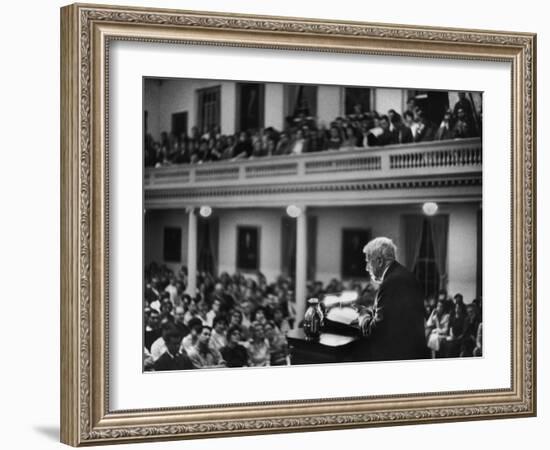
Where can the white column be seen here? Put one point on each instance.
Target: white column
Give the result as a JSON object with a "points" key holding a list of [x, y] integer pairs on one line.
{"points": [[301, 265], [274, 106], [329, 102], [192, 253]]}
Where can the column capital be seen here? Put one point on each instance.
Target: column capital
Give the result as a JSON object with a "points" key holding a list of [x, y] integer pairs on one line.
{"points": [[190, 209]]}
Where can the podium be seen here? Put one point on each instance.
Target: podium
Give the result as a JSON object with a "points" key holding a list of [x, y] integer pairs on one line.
{"points": [[336, 343]]}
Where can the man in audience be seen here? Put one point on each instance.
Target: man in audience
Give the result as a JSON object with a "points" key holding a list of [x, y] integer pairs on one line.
{"points": [[173, 358], [192, 312], [152, 329], [191, 340], [424, 131], [179, 321], [202, 355]]}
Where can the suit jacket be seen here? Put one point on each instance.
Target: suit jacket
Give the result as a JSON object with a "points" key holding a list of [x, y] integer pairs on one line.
{"points": [[395, 331], [167, 362]]}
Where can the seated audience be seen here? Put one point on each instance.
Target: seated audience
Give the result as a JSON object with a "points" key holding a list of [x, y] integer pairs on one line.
{"points": [[303, 134]]}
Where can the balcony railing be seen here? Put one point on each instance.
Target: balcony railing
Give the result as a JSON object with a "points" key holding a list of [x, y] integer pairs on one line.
{"points": [[410, 160]]}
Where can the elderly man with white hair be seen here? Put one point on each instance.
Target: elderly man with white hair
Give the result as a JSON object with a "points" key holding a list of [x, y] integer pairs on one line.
{"points": [[394, 327]]}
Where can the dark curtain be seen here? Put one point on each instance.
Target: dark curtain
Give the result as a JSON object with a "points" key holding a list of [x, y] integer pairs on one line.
{"points": [[207, 245], [311, 247], [412, 227], [439, 226], [288, 246]]}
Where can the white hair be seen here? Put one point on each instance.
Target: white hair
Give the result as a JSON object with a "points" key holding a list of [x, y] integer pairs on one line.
{"points": [[380, 247]]}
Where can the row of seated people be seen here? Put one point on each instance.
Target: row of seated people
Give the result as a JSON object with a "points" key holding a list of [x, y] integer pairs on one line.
{"points": [[303, 134], [453, 329], [195, 345]]}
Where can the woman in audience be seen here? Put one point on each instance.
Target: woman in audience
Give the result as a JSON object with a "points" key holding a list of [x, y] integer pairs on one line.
{"points": [[258, 347], [278, 347], [439, 322], [456, 330], [471, 325]]}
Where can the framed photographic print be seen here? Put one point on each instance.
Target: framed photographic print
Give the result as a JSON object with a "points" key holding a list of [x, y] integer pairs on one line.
{"points": [[307, 209]]}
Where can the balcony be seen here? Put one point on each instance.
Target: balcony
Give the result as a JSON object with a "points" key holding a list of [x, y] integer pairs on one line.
{"points": [[443, 170]]}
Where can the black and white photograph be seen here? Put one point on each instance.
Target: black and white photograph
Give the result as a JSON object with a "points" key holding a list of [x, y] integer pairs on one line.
{"points": [[291, 224]]}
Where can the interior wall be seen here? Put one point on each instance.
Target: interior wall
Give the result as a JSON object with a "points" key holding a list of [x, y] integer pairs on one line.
{"points": [[269, 223], [386, 99], [151, 104], [154, 223], [181, 95]]}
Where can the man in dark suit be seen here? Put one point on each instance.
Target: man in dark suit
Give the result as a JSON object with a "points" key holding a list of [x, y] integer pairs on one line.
{"points": [[394, 327]]}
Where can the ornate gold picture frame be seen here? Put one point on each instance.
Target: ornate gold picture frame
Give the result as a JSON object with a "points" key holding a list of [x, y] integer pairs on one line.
{"points": [[87, 31]]}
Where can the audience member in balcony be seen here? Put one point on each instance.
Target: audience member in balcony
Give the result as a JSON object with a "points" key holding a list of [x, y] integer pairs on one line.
{"points": [[202, 355], [408, 120], [335, 139], [258, 149], [270, 146], [445, 130], [318, 141], [283, 145], [411, 106], [463, 127], [299, 143], [424, 131], [243, 148], [380, 135], [466, 106], [350, 139], [234, 354], [401, 133]]}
